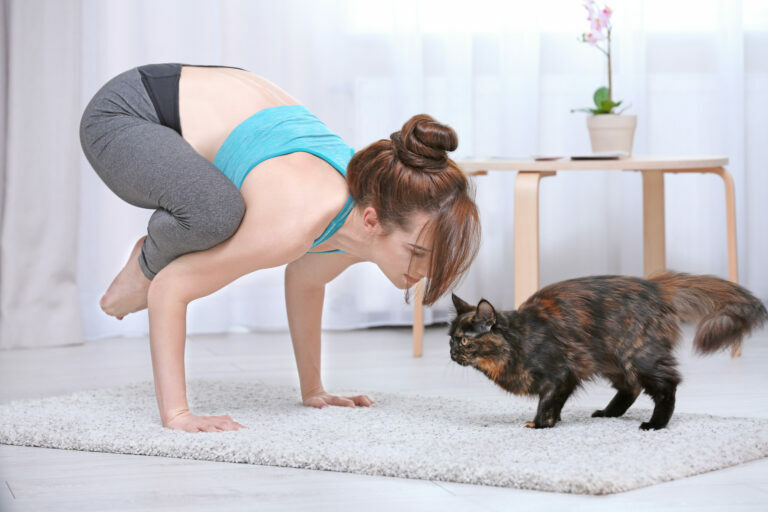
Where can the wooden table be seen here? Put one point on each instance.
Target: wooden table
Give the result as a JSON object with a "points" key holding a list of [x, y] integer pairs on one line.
{"points": [[526, 213]]}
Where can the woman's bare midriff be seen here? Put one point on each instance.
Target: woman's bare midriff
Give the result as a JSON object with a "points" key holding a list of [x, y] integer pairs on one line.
{"points": [[213, 101]]}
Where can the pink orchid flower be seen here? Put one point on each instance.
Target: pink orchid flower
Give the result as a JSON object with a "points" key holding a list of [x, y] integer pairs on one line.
{"points": [[600, 30], [590, 6], [593, 38], [605, 15]]}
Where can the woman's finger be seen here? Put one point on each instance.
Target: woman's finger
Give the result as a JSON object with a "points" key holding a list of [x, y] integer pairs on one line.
{"points": [[361, 400], [316, 401], [344, 402]]}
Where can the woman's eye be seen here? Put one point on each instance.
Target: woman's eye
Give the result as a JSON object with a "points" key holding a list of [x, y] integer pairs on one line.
{"points": [[417, 254]]}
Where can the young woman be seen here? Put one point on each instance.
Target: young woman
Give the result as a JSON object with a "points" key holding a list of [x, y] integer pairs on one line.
{"points": [[243, 177]]}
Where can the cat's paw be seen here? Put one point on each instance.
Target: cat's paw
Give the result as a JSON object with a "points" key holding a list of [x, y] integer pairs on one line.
{"points": [[647, 425], [548, 423]]}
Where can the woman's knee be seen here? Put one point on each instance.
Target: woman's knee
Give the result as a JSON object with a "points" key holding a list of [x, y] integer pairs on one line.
{"points": [[220, 218], [230, 213]]}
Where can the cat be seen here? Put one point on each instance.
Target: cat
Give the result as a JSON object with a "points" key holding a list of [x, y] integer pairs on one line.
{"points": [[621, 328]]}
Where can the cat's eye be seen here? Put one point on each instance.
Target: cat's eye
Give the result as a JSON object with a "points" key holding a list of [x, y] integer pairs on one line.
{"points": [[465, 341]]}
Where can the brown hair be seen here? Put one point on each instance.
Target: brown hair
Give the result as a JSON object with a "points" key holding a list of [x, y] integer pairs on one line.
{"points": [[410, 172]]}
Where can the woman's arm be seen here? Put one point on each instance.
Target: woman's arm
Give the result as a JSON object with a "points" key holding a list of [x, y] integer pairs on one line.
{"points": [[305, 281], [304, 305], [167, 322], [186, 278]]}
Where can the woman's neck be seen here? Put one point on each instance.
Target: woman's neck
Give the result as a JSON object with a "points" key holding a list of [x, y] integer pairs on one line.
{"points": [[353, 238]]}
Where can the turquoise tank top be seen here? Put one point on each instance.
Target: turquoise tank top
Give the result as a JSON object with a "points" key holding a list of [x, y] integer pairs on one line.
{"points": [[277, 131]]}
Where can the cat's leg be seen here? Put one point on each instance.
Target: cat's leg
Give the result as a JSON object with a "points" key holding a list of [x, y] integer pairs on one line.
{"points": [[545, 416], [661, 384], [664, 398], [619, 404], [551, 402], [561, 396]]}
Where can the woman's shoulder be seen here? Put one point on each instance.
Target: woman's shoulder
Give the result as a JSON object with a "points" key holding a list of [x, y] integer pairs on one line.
{"points": [[298, 193]]}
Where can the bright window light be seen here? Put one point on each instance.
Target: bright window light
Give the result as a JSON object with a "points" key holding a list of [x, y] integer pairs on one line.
{"points": [[461, 16], [552, 16]]}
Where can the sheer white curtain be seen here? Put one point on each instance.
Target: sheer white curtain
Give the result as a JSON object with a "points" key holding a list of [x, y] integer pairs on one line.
{"points": [[39, 158], [504, 75]]}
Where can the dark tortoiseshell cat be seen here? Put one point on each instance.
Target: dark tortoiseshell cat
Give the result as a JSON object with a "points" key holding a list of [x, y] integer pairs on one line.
{"points": [[620, 328]]}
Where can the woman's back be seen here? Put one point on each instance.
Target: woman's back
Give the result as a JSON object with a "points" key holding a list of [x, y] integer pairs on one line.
{"points": [[213, 101]]}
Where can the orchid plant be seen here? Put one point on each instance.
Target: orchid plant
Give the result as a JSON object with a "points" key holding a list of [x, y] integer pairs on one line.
{"points": [[600, 31]]}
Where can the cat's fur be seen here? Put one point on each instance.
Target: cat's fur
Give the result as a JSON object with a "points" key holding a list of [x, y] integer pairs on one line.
{"points": [[620, 328]]}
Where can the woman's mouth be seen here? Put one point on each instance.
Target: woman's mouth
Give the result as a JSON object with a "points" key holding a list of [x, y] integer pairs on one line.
{"points": [[410, 280]]}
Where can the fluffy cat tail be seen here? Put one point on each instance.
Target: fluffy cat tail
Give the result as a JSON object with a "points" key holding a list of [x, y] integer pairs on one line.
{"points": [[725, 311]]}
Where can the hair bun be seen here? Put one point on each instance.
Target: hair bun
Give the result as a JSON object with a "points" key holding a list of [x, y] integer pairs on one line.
{"points": [[423, 142]]}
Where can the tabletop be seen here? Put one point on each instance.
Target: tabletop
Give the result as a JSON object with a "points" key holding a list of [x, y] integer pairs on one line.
{"points": [[633, 163]]}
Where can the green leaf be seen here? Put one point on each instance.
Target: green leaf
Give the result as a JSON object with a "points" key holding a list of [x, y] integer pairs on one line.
{"points": [[607, 106], [601, 95]]}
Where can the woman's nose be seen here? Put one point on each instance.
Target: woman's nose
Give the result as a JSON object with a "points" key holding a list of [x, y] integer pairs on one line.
{"points": [[422, 269]]}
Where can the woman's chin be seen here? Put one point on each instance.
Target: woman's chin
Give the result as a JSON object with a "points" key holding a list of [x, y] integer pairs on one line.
{"points": [[401, 284]]}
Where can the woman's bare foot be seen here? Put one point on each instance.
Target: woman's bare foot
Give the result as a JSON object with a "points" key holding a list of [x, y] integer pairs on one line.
{"points": [[128, 291]]}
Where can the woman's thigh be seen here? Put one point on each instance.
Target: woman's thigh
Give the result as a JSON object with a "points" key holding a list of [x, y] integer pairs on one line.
{"points": [[149, 165]]}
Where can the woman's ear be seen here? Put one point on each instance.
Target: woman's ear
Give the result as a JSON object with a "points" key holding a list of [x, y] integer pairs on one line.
{"points": [[371, 219]]}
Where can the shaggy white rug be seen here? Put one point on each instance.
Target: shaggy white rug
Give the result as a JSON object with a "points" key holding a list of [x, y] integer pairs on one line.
{"points": [[434, 438]]}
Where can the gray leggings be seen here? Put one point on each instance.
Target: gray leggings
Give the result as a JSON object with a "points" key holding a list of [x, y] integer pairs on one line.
{"points": [[151, 166]]}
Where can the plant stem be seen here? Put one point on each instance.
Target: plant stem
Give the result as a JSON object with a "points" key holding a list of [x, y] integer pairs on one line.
{"points": [[610, 81]]}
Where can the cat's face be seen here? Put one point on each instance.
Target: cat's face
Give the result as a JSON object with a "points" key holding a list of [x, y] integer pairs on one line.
{"points": [[473, 341]]}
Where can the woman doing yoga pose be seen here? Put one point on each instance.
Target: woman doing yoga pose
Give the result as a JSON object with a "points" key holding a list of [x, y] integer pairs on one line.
{"points": [[243, 177]]}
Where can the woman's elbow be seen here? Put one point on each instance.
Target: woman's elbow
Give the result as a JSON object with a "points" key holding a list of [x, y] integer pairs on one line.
{"points": [[164, 288]]}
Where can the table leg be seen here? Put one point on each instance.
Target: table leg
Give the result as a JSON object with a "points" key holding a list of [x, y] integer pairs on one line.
{"points": [[730, 221], [418, 318], [526, 227], [654, 249]]}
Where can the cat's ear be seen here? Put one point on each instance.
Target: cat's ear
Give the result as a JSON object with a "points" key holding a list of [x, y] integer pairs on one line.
{"points": [[486, 315], [461, 306]]}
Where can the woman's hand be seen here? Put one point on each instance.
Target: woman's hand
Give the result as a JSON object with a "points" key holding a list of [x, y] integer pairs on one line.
{"points": [[190, 423], [322, 399]]}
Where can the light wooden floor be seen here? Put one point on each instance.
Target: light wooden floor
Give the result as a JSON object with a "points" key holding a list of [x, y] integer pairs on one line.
{"points": [[366, 360]]}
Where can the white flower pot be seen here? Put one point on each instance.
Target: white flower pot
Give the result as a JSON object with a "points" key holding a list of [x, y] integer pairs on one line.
{"points": [[612, 132]]}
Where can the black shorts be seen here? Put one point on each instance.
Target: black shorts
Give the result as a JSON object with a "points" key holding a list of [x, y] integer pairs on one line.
{"points": [[162, 84]]}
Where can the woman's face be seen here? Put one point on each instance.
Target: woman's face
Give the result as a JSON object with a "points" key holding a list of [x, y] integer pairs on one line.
{"points": [[402, 257]]}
